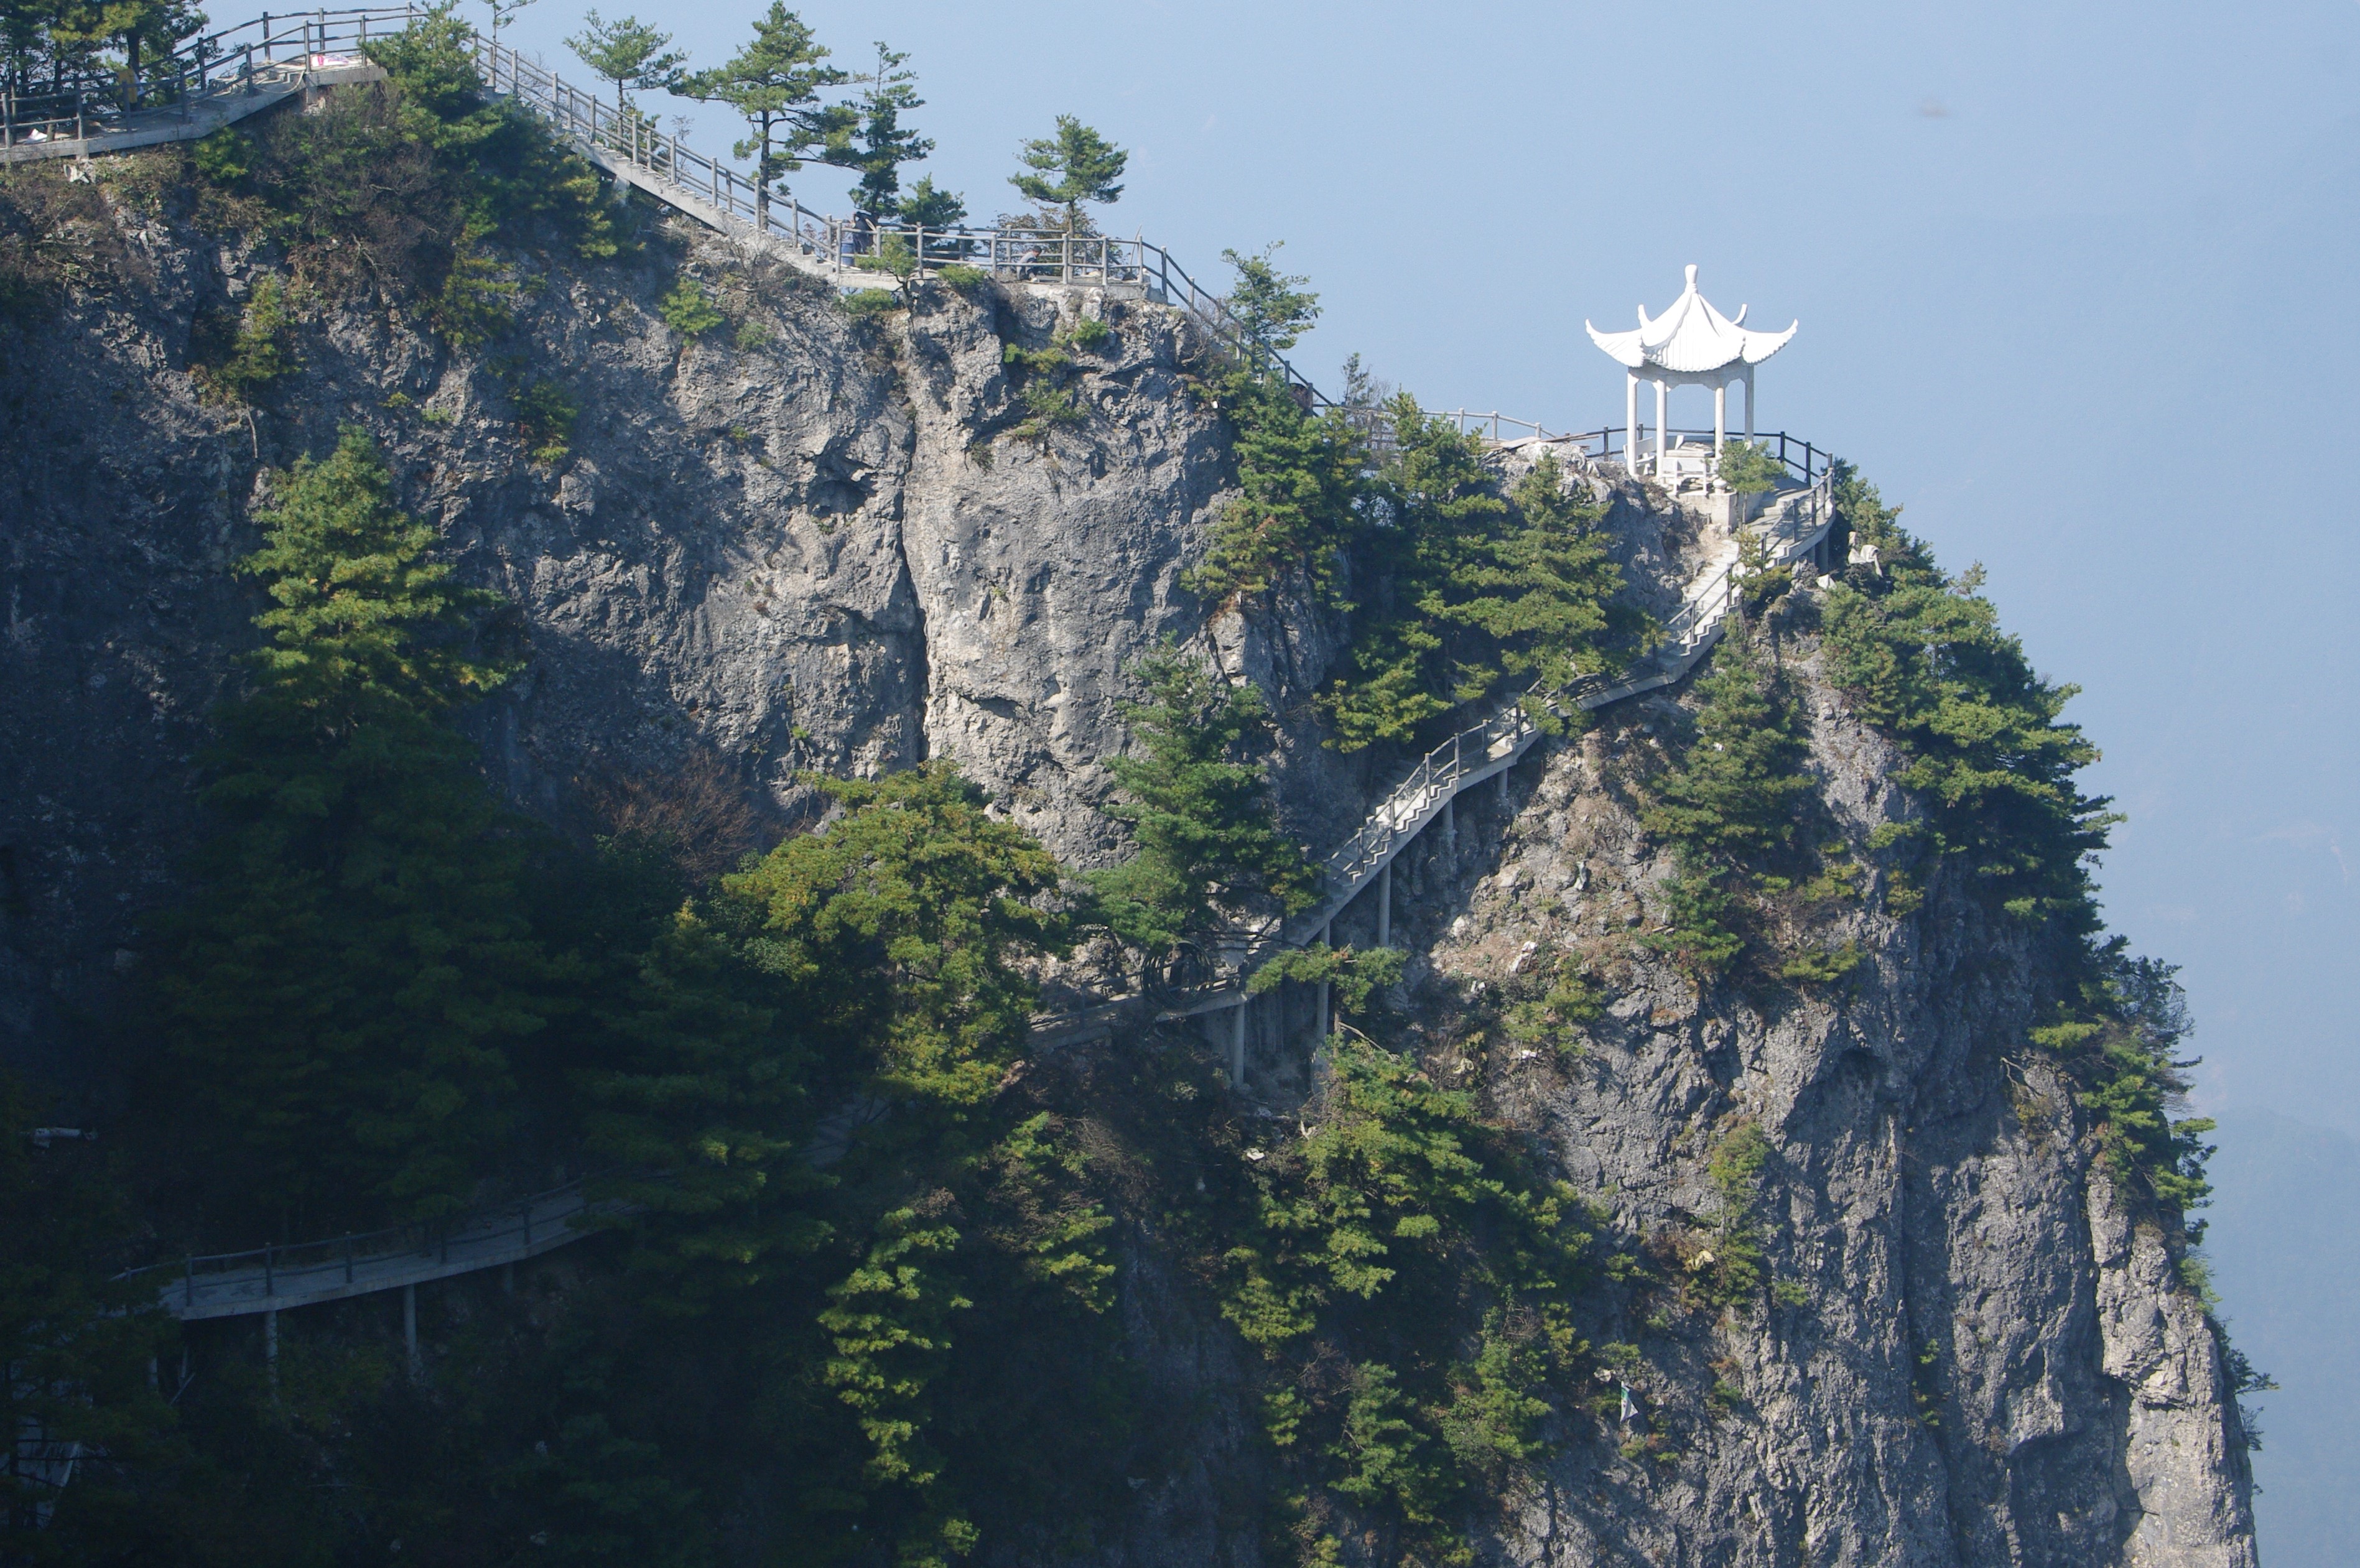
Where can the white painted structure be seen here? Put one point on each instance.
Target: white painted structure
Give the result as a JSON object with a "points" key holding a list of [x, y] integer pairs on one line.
{"points": [[1691, 344]]}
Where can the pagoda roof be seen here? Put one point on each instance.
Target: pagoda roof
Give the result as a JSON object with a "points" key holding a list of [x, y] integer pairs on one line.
{"points": [[1691, 337]]}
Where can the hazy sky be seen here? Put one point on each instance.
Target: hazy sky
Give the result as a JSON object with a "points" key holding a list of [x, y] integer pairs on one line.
{"points": [[2074, 284]]}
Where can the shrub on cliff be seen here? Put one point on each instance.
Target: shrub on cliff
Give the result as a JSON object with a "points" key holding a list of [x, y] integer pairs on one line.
{"points": [[1920, 655], [339, 998], [403, 187], [1208, 842], [1466, 588], [1408, 1276]]}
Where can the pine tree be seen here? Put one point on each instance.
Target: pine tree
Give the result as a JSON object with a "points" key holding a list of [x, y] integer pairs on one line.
{"points": [[1470, 588], [698, 1101], [1544, 588], [1731, 808], [340, 998], [884, 143], [628, 52], [1272, 306], [75, 1338], [775, 82], [1435, 498], [1199, 813], [1735, 798], [926, 207], [1298, 484], [1086, 167], [901, 929]]}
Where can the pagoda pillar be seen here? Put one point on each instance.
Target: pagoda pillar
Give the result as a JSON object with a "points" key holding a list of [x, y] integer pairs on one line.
{"points": [[1720, 419], [1662, 439], [1630, 422]]}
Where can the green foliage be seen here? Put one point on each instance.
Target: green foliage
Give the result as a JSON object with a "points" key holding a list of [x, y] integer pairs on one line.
{"points": [[1732, 808], [1298, 485], [688, 308], [890, 1319], [1550, 1003], [775, 82], [865, 304], [1922, 657], [1086, 166], [74, 1341], [1209, 844], [924, 907], [628, 52], [691, 1097], [959, 276], [545, 416], [1749, 468], [1734, 1168], [1050, 407], [1822, 966], [1354, 972], [340, 999], [1271, 305], [1403, 1216], [1470, 588], [1699, 932], [883, 143], [1735, 798], [928, 207], [2121, 1044], [223, 156], [259, 353], [403, 188], [1049, 378], [896, 256]]}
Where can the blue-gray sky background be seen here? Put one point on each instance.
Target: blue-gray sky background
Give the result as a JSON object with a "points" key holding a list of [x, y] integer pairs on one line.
{"points": [[2074, 284]]}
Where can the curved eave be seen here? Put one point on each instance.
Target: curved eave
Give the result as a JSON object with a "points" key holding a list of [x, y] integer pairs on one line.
{"points": [[1760, 346], [1622, 348]]}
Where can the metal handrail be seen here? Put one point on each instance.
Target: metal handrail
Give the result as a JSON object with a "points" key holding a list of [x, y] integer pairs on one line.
{"points": [[293, 1266], [1489, 748], [235, 60]]}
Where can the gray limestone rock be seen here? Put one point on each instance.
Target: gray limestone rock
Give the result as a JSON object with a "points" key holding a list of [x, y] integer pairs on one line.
{"points": [[836, 548]]}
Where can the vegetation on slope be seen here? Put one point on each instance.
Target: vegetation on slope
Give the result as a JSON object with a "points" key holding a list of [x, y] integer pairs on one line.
{"points": [[857, 1300], [1455, 591], [1208, 842]]}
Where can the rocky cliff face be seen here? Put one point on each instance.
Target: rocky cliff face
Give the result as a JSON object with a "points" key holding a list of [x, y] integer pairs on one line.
{"points": [[832, 548], [1989, 1359]]}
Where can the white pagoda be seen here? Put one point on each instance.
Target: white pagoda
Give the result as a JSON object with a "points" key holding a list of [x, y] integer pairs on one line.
{"points": [[1691, 344]]}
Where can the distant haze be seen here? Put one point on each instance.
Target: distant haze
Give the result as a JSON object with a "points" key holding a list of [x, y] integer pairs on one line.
{"points": [[2075, 285]]}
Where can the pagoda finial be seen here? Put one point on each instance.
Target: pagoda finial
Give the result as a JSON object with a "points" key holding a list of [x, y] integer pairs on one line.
{"points": [[1692, 278]]}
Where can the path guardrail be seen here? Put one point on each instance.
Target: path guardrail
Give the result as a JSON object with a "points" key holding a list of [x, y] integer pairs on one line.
{"points": [[839, 246], [1470, 756], [93, 99], [269, 1279]]}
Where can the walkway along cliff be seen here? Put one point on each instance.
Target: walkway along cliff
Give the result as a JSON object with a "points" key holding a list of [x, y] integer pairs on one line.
{"points": [[815, 541]]}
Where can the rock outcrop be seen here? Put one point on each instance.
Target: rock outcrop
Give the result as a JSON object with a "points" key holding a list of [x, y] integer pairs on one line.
{"points": [[809, 541]]}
